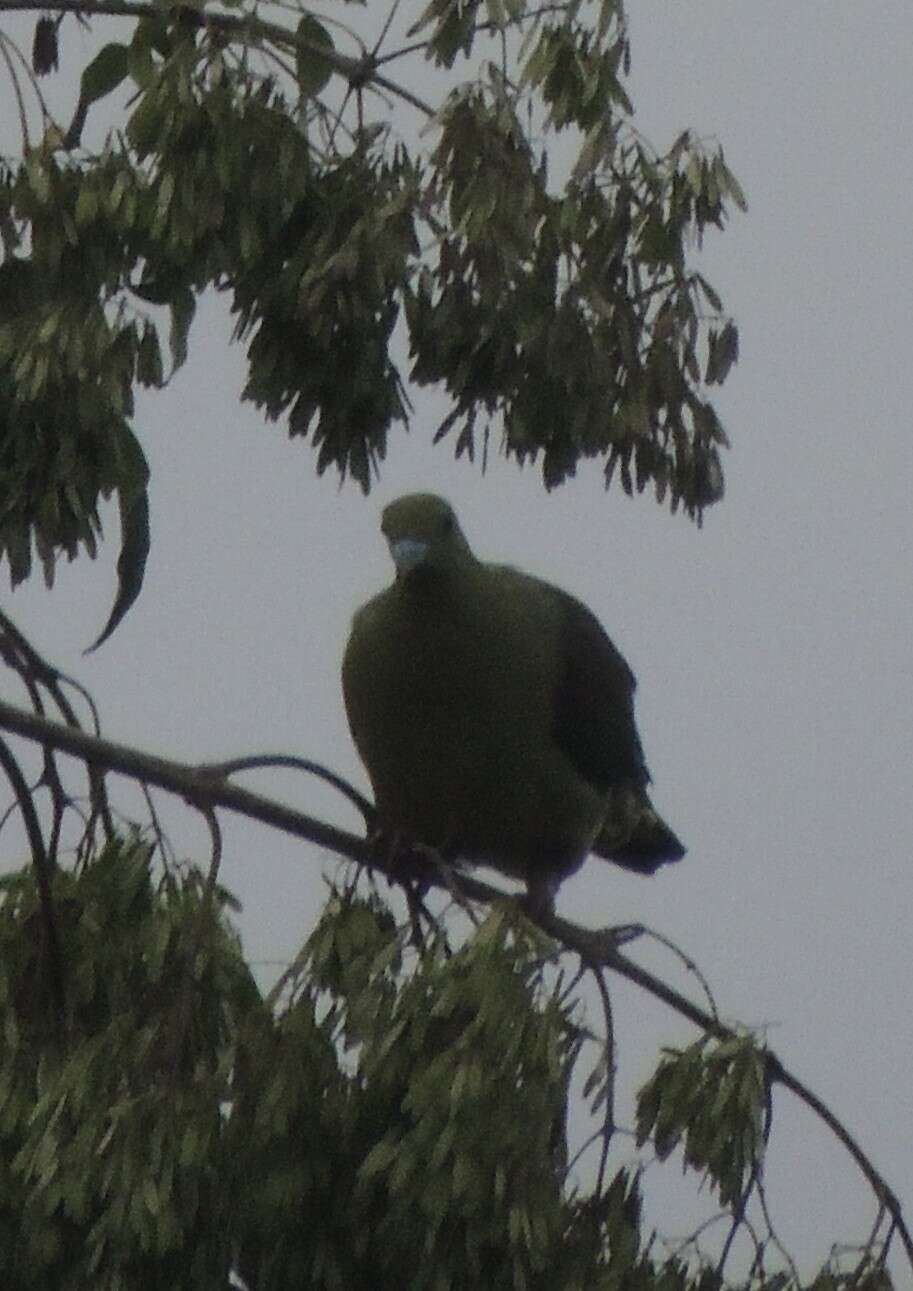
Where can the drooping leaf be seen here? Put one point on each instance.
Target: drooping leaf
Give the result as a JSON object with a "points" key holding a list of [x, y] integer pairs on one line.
{"points": [[133, 500], [149, 370], [183, 308], [105, 72], [313, 69], [44, 46]]}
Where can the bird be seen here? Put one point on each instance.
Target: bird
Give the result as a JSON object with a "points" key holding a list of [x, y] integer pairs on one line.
{"points": [[494, 716]]}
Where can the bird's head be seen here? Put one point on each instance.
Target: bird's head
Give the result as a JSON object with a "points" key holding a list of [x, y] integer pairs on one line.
{"points": [[423, 533]]}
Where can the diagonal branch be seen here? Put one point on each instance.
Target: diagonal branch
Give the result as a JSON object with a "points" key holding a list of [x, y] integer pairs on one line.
{"points": [[20, 655], [197, 785], [205, 790], [43, 873], [357, 71]]}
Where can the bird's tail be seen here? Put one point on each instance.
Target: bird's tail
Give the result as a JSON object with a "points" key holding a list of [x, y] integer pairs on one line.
{"points": [[635, 836]]}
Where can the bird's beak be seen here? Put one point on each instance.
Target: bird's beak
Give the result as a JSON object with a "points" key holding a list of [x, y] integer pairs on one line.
{"points": [[407, 553]]}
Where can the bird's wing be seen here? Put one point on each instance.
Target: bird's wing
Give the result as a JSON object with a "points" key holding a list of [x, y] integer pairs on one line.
{"points": [[594, 701], [356, 672]]}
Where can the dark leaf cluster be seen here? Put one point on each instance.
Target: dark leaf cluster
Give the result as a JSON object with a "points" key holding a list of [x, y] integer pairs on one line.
{"points": [[573, 316], [428, 1073], [113, 1147], [254, 160], [711, 1099], [393, 1114]]}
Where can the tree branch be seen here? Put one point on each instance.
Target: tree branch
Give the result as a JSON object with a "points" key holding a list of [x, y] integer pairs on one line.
{"points": [[20, 655], [197, 785], [206, 791], [43, 873], [357, 71], [269, 760], [596, 946]]}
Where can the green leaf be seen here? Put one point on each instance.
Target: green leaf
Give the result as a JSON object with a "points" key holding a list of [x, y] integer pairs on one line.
{"points": [[313, 70], [730, 184], [105, 72], [145, 124], [380, 1158], [152, 33], [183, 308], [86, 206], [134, 524], [149, 358]]}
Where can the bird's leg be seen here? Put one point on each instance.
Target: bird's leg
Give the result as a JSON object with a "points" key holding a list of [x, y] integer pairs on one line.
{"points": [[540, 896], [416, 908], [407, 866], [445, 862], [401, 859]]}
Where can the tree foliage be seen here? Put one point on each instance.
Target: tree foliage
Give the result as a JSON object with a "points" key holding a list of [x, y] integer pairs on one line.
{"points": [[402, 1108], [396, 1117], [395, 1111], [515, 242]]}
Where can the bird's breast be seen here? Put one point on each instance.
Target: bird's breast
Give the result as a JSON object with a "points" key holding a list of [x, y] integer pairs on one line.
{"points": [[453, 719]]}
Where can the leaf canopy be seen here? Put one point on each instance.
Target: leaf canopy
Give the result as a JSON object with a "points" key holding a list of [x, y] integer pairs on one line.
{"points": [[269, 163]]}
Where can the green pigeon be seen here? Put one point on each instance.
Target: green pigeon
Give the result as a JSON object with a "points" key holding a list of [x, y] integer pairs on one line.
{"points": [[494, 716]]}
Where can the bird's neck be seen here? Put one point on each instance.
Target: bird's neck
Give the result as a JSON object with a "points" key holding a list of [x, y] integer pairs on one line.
{"points": [[430, 579]]}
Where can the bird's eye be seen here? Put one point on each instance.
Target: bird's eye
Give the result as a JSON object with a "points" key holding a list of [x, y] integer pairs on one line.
{"points": [[448, 524]]}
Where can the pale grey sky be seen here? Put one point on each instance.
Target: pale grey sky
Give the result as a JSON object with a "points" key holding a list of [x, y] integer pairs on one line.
{"points": [[772, 648]]}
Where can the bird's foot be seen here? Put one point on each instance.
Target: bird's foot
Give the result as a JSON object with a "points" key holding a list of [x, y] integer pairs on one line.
{"points": [[539, 901], [618, 935], [405, 862]]}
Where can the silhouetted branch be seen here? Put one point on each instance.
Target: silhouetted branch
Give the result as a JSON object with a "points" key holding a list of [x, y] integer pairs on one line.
{"points": [[43, 874], [196, 785], [206, 791], [35, 672], [598, 946], [608, 1092], [270, 760], [247, 29]]}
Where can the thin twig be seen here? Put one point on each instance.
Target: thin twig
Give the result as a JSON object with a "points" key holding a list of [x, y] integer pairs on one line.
{"points": [[239, 28], [270, 760], [165, 849], [608, 1120], [215, 856], [689, 964], [32, 78], [765, 1211], [14, 78], [43, 876], [35, 666], [865, 1259], [740, 1209]]}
